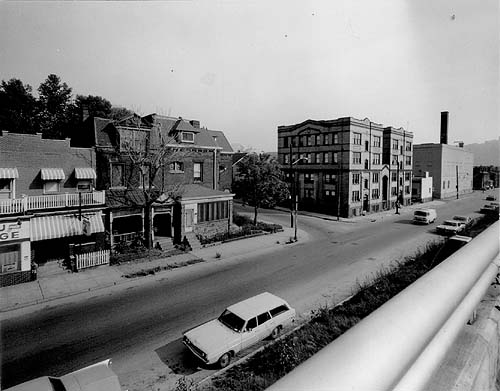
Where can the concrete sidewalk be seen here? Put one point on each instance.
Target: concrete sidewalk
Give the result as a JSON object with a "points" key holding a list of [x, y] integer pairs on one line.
{"points": [[52, 287]]}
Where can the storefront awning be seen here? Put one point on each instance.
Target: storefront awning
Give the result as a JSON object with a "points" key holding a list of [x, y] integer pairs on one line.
{"points": [[85, 173], [8, 173], [60, 226], [52, 174]]}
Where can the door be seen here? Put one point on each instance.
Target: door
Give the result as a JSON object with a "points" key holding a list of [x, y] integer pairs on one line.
{"points": [[9, 258], [189, 219], [250, 334]]}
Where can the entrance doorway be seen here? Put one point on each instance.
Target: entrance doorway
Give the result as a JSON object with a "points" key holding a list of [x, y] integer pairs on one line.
{"points": [[162, 225], [385, 190]]}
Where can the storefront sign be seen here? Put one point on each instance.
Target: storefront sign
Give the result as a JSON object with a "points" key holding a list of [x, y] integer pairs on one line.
{"points": [[14, 230]]}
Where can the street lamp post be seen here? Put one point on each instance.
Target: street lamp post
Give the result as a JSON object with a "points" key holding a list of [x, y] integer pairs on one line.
{"points": [[296, 198]]}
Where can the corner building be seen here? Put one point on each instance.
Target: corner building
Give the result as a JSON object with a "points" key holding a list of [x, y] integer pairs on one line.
{"points": [[346, 166]]}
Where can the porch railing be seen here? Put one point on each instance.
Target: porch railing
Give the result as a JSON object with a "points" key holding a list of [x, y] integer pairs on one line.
{"points": [[94, 258], [52, 201]]}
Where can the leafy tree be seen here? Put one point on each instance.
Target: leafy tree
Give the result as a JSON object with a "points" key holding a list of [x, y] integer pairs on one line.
{"points": [[17, 107], [54, 104], [260, 182], [96, 106], [118, 113]]}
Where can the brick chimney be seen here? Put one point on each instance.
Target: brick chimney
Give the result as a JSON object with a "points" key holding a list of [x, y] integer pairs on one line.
{"points": [[444, 127]]}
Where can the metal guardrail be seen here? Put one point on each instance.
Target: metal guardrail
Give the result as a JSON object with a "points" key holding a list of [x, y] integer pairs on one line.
{"points": [[398, 346]]}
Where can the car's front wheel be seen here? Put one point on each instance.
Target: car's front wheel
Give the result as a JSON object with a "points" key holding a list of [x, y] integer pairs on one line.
{"points": [[224, 360], [276, 333]]}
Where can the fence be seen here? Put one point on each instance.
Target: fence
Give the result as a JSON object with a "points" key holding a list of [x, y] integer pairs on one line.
{"points": [[94, 258], [400, 345]]}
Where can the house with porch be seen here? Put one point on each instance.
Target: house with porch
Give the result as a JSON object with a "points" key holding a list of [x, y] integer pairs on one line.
{"points": [[166, 178]]}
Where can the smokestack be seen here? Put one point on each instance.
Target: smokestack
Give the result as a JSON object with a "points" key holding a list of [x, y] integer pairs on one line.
{"points": [[444, 127]]}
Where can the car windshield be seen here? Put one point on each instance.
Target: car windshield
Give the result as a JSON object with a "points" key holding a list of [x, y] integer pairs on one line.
{"points": [[421, 213], [451, 223], [231, 320], [459, 218]]}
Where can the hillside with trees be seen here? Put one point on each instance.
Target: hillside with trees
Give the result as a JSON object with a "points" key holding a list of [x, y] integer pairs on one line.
{"points": [[485, 154]]}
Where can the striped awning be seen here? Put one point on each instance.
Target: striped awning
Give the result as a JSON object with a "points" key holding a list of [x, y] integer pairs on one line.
{"points": [[60, 226], [8, 173], [52, 174], [85, 173]]}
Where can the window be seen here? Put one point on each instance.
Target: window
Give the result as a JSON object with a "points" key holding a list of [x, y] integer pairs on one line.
{"points": [[278, 310], [407, 189], [51, 186], [329, 193], [251, 324], [355, 179], [330, 178], [335, 157], [395, 144], [327, 139], [366, 183], [310, 140], [394, 176], [366, 164], [9, 258], [408, 146], [188, 137], [144, 177], [176, 167], [326, 157], [407, 176], [318, 139], [198, 172], [335, 138], [444, 184], [309, 158], [395, 159], [375, 177], [376, 141], [355, 196], [285, 142], [263, 318], [318, 157], [286, 158], [448, 184], [394, 191], [357, 138], [308, 178], [367, 145], [408, 160], [308, 193], [117, 175], [209, 211], [356, 158], [6, 188], [376, 158], [375, 193]]}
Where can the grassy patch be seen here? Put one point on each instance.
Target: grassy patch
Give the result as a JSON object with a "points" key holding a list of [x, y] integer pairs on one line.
{"points": [[156, 269]]}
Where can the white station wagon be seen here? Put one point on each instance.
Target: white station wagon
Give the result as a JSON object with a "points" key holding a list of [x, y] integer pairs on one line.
{"points": [[240, 326]]}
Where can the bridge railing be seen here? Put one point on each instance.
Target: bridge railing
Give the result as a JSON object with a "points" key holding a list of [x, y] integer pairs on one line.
{"points": [[399, 346]]}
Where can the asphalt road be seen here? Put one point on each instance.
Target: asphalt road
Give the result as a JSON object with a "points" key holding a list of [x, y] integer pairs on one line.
{"points": [[151, 317]]}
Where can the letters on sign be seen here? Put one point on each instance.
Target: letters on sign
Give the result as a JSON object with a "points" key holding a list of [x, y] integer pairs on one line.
{"points": [[9, 231]]}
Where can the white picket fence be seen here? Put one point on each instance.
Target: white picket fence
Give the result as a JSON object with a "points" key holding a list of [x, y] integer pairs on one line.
{"points": [[94, 258]]}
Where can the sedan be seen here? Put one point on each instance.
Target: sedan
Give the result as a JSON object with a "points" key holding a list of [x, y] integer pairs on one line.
{"points": [[96, 377], [450, 227]]}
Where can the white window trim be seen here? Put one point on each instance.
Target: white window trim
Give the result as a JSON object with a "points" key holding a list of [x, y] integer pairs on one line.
{"points": [[184, 140]]}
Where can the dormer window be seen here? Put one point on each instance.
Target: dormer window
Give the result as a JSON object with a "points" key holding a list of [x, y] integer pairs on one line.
{"points": [[52, 178], [188, 137], [7, 179]]}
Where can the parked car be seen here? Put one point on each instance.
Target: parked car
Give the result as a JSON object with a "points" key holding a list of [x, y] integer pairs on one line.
{"points": [[467, 220], [240, 326], [490, 208], [424, 216], [96, 377], [450, 227], [490, 198]]}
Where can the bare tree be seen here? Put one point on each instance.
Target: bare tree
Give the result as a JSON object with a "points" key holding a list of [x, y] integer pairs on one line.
{"points": [[149, 152]]}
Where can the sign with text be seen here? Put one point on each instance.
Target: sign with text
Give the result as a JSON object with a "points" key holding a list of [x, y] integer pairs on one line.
{"points": [[14, 230]]}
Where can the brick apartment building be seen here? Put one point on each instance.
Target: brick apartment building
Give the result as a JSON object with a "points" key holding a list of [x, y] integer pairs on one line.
{"points": [[195, 182], [49, 208], [346, 166]]}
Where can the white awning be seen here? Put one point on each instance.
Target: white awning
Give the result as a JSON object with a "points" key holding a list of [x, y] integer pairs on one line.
{"points": [[8, 173], [85, 173], [52, 174], [60, 226]]}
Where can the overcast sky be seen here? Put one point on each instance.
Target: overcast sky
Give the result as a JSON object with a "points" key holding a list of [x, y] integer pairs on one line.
{"points": [[245, 67]]}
